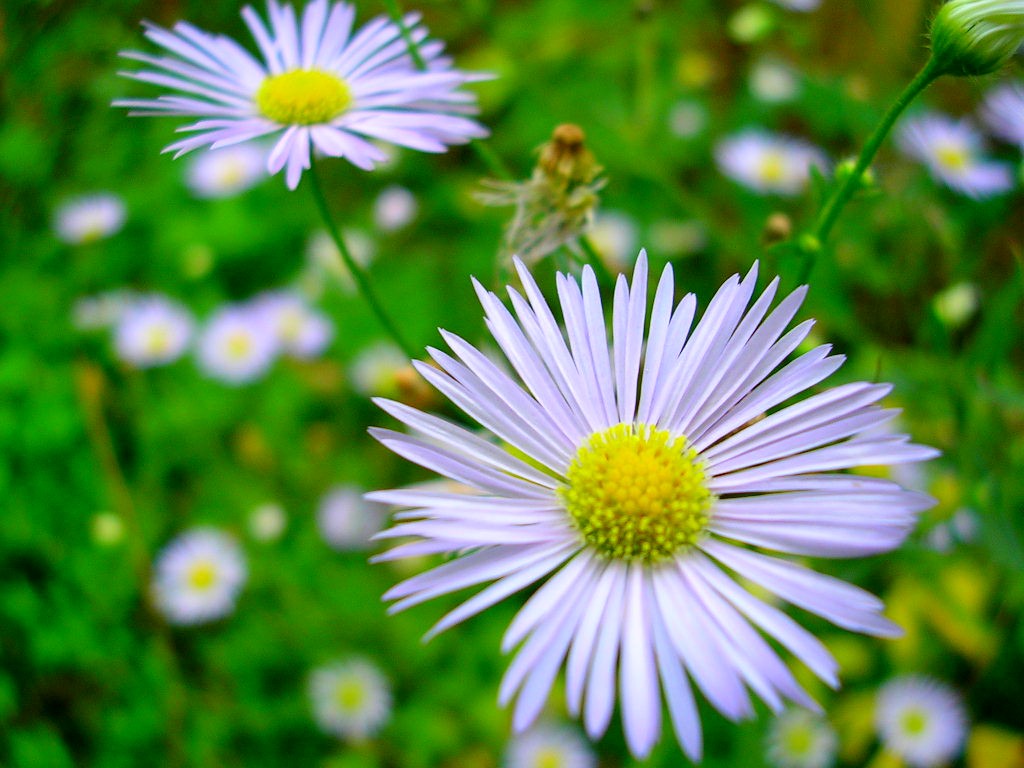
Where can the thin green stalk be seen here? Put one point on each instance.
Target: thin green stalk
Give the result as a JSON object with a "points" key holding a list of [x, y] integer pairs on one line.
{"points": [[842, 194], [359, 275], [396, 15]]}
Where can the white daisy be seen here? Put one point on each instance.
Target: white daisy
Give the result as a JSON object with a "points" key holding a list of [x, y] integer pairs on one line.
{"points": [[228, 171], [351, 699], [89, 218], [952, 151], [302, 331], [237, 345], [347, 521], [767, 162], [549, 746], [152, 330], [198, 577], [773, 81], [375, 370], [921, 720], [801, 739], [319, 84], [1003, 112], [625, 498], [394, 208]]}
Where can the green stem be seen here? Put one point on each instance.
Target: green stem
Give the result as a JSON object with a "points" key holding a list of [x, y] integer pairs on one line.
{"points": [[604, 277], [359, 275], [841, 195], [396, 16]]}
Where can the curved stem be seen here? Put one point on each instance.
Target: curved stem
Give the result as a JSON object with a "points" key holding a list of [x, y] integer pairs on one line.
{"points": [[396, 15], [359, 275]]}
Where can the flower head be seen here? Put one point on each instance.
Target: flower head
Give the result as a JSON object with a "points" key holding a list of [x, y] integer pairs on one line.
{"points": [[198, 577], [237, 345], [1003, 112], [318, 84], [768, 163], [549, 746], [351, 699], [952, 151], [89, 218], [228, 171], [977, 37], [347, 521], [152, 330], [394, 208], [803, 6], [267, 522], [921, 720], [627, 481], [801, 739], [302, 331]]}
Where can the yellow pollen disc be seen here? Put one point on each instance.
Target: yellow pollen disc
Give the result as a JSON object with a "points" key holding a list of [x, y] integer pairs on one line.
{"points": [[238, 346], [349, 695], [798, 741], [202, 575], [953, 157], [636, 493], [548, 758], [303, 97], [772, 167], [915, 722], [158, 341]]}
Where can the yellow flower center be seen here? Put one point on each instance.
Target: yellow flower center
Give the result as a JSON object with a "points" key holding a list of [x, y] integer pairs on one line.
{"points": [[290, 325], [636, 493], [202, 575], [772, 168], [953, 157], [798, 741], [231, 173], [158, 340], [548, 757], [914, 722], [303, 97], [350, 695], [238, 345]]}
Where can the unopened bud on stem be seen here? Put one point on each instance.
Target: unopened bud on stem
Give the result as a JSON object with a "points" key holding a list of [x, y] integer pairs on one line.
{"points": [[976, 37]]}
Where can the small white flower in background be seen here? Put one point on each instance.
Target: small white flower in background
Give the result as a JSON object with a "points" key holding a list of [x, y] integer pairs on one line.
{"points": [[1003, 112], [347, 521], [351, 699], [798, 738], [614, 235], [237, 345], [89, 218], [678, 238], [302, 330], [962, 528], [152, 330], [321, 85], [803, 6], [921, 720], [769, 163], [957, 304], [90, 313], [228, 171], [688, 119], [322, 255], [632, 476], [773, 81], [549, 746], [375, 369], [267, 522], [394, 208], [198, 577], [952, 150]]}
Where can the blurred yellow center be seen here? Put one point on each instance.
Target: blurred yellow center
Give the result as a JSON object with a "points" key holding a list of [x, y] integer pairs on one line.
{"points": [[202, 575], [914, 722], [772, 167], [636, 493], [350, 695], [158, 341], [303, 97], [238, 345], [548, 758], [953, 157], [798, 741]]}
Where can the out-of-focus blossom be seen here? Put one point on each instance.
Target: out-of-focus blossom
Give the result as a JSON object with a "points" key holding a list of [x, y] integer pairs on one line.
{"points": [[319, 86], [351, 699], [952, 150], [394, 208], [198, 577], [375, 370], [957, 304], [549, 746], [347, 521], [89, 218], [688, 119], [773, 81], [227, 171], [921, 720], [322, 257], [103, 310], [769, 163], [803, 6], [267, 522], [237, 345], [678, 238], [1003, 112], [798, 738], [151, 331], [614, 235], [302, 331]]}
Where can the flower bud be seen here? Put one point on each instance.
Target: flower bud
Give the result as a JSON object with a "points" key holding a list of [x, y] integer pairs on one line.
{"points": [[566, 157], [976, 37]]}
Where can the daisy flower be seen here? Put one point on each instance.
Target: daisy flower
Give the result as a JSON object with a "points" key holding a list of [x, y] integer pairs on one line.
{"points": [[89, 218], [228, 171], [921, 720], [198, 577], [394, 208], [237, 345], [549, 746], [302, 331], [347, 521], [952, 151], [774, 82], [801, 739], [803, 6], [1003, 112], [626, 486], [151, 331], [351, 699], [318, 84], [768, 163]]}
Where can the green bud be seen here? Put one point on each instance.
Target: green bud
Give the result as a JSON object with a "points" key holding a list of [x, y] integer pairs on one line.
{"points": [[976, 37], [809, 244], [751, 23], [845, 169]]}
